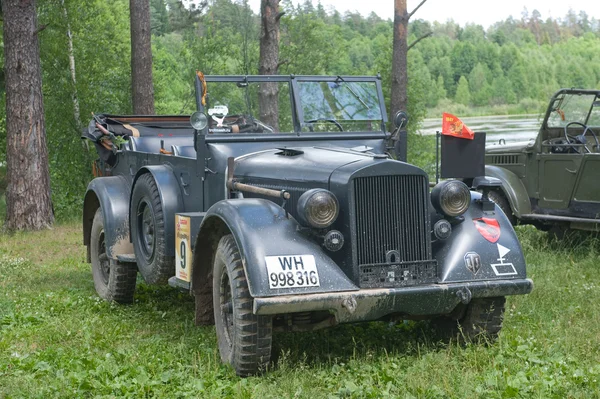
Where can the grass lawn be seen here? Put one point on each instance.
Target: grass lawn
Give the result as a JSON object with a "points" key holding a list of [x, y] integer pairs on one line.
{"points": [[58, 339]]}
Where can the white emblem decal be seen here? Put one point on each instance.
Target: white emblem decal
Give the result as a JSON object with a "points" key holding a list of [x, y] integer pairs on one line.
{"points": [[503, 268]]}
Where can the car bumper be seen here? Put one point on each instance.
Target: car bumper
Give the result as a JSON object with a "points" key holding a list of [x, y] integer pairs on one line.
{"points": [[373, 304]]}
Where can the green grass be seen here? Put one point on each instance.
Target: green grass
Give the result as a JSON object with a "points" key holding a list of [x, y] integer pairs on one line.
{"points": [[58, 339]]}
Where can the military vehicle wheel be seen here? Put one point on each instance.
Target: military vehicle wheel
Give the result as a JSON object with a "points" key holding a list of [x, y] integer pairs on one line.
{"points": [[244, 338], [148, 232], [481, 320], [503, 203], [114, 281]]}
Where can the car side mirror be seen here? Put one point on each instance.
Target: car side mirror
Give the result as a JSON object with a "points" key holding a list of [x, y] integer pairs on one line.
{"points": [[400, 136], [401, 119]]}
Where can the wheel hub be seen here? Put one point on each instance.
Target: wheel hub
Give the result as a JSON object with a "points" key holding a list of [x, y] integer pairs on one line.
{"points": [[147, 228], [226, 305], [103, 258]]}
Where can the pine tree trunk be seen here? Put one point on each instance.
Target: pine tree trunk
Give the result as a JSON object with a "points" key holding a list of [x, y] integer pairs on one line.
{"points": [[269, 62], [74, 97], [141, 58], [399, 101], [28, 201]]}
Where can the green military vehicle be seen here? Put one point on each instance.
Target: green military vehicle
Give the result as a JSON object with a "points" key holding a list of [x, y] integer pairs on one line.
{"points": [[554, 181]]}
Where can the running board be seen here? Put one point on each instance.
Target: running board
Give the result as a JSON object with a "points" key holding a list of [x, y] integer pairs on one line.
{"points": [[559, 218], [181, 285]]}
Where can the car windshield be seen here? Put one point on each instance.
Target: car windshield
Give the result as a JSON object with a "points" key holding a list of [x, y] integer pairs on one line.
{"points": [[581, 108], [340, 105], [323, 104]]}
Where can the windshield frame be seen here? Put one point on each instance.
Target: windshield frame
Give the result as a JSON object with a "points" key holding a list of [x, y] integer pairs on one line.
{"points": [[559, 97], [296, 107]]}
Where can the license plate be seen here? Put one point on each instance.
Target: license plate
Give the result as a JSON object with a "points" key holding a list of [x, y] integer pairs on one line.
{"points": [[289, 271]]}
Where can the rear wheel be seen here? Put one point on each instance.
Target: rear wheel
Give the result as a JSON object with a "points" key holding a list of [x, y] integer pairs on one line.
{"points": [[244, 338], [148, 232], [113, 280], [503, 203], [481, 320]]}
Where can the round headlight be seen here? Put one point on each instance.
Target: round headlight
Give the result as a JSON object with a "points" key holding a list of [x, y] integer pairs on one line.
{"points": [[451, 197], [318, 208]]}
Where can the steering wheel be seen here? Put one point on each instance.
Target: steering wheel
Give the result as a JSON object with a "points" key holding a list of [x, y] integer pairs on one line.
{"points": [[336, 123], [580, 139]]}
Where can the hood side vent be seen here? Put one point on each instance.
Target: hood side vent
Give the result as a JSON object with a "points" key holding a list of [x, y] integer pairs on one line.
{"points": [[289, 152]]}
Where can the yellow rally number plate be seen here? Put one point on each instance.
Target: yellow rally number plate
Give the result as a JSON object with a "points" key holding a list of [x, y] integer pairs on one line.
{"points": [[183, 249]]}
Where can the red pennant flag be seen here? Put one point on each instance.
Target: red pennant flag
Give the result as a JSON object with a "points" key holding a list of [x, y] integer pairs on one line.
{"points": [[452, 126]]}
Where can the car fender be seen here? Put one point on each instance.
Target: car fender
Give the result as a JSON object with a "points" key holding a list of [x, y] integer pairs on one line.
{"points": [[513, 189], [260, 228], [111, 194], [468, 256], [170, 199]]}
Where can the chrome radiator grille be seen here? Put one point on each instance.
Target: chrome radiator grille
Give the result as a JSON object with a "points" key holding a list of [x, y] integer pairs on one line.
{"points": [[393, 242]]}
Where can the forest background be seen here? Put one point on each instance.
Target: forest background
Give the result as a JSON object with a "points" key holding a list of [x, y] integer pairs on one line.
{"points": [[510, 68]]}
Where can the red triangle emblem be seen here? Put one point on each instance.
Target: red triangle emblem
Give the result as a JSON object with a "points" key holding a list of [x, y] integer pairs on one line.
{"points": [[489, 228]]}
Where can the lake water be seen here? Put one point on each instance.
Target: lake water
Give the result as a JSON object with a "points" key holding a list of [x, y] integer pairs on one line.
{"points": [[508, 127]]}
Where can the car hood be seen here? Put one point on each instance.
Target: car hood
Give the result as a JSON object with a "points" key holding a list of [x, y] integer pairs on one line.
{"points": [[517, 146], [297, 164]]}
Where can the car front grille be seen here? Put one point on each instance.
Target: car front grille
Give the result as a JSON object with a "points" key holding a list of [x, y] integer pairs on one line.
{"points": [[393, 241]]}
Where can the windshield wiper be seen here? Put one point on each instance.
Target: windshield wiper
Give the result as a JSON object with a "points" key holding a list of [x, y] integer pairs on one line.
{"points": [[347, 86]]}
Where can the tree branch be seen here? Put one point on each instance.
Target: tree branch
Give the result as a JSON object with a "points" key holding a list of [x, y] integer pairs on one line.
{"points": [[40, 28], [278, 16], [283, 62], [416, 8], [418, 40]]}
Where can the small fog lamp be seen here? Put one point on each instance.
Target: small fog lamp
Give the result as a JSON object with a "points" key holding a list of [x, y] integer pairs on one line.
{"points": [[451, 197], [334, 240], [442, 229], [318, 208]]}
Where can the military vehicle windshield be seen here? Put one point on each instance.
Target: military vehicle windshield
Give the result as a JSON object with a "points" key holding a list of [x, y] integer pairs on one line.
{"points": [[348, 106], [287, 104], [568, 107]]}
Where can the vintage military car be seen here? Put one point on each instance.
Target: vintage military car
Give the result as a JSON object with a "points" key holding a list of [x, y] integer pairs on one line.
{"points": [[554, 181], [295, 221]]}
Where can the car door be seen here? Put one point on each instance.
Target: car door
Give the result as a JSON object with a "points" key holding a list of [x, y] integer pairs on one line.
{"points": [[558, 175], [587, 191]]}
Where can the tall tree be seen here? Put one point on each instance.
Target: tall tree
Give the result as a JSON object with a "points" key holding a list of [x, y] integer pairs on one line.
{"points": [[28, 201], [269, 62], [141, 57], [399, 98]]}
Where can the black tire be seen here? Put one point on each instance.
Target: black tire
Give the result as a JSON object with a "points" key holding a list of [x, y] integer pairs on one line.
{"points": [[502, 202], [244, 338], [114, 281], [480, 321], [148, 232]]}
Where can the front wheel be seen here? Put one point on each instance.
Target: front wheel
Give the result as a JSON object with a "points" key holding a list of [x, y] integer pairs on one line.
{"points": [[480, 320], [113, 280], [244, 338]]}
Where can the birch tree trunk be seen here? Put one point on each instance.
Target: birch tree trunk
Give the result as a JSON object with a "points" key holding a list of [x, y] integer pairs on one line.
{"points": [[141, 58], [71, 54], [269, 62], [28, 201]]}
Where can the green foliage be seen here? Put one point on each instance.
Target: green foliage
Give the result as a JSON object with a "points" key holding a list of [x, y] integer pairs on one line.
{"points": [[463, 94]]}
